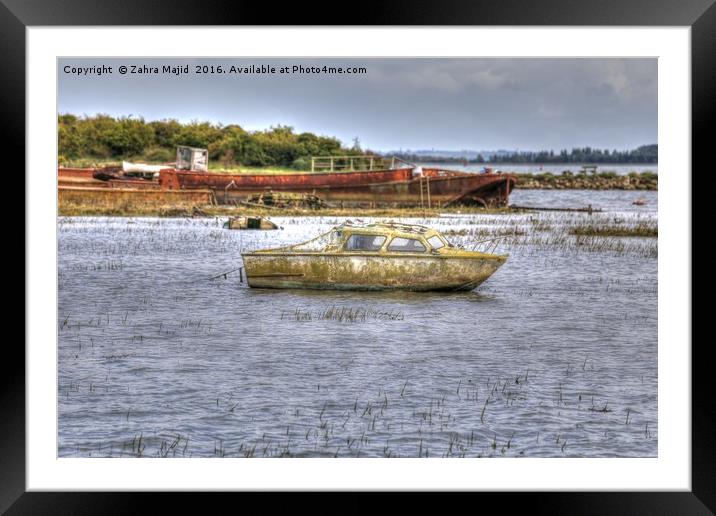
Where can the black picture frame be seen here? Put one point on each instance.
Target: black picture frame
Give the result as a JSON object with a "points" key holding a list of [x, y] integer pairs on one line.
{"points": [[700, 15]]}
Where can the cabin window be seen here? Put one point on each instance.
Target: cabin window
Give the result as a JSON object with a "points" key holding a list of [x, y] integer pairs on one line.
{"points": [[335, 237], [435, 242], [364, 243], [406, 245], [328, 240]]}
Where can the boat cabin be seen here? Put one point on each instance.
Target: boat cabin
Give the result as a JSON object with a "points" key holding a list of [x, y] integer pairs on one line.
{"points": [[376, 238]]}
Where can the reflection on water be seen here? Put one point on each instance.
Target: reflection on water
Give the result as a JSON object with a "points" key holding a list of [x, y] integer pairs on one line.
{"points": [[555, 355]]}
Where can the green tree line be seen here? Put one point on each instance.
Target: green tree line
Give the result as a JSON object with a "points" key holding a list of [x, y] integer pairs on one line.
{"points": [[643, 154], [105, 138]]}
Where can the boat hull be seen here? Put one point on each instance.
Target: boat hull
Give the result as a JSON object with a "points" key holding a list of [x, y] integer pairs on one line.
{"points": [[395, 187], [362, 271]]}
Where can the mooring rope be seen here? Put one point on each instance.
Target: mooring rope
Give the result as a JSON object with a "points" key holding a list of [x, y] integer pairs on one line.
{"points": [[224, 274]]}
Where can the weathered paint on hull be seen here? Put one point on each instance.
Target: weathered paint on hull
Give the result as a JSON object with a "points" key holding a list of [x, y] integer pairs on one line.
{"points": [[391, 187], [448, 191], [360, 271]]}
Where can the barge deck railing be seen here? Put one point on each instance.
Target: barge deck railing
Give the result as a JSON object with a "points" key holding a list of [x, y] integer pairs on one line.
{"points": [[356, 163]]}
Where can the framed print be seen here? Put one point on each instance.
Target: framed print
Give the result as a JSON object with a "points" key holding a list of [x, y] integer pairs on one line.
{"points": [[428, 254]]}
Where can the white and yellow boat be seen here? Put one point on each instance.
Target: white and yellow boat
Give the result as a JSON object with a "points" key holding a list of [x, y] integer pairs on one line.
{"points": [[381, 256]]}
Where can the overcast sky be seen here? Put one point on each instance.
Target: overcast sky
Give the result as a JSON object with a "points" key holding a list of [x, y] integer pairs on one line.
{"points": [[451, 104]]}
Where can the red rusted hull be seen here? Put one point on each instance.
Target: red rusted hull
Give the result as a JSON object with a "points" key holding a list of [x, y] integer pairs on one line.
{"points": [[86, 177], [393, 187], [396, 187], [79, 173]]}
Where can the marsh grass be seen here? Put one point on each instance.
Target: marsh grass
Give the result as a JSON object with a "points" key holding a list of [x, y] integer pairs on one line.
{"points": [[568, 233], [362, 428], [485, 232], [191, 209], [430, 426], [348, 314], [404, 418], [616, 230]]}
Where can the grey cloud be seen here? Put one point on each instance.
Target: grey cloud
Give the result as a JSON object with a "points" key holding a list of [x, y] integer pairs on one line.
{"points": [[401, 103]]}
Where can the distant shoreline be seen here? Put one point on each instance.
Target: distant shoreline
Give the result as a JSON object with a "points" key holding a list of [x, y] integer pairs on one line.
{"points": [[529, 163], [598, 181]]}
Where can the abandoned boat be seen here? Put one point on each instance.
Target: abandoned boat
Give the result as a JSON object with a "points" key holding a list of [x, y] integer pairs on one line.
{"points": [[380, 256], [341, 181], [399, 187], [250, 223], [355, 181]]}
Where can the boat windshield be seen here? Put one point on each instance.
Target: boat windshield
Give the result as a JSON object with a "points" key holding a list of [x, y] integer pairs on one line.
{"points": [[436, 242], [406, 245], [321, 243], [365, 243]]}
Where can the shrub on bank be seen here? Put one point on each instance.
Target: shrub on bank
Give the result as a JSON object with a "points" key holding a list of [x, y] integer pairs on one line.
{"points": [[102, 138]]}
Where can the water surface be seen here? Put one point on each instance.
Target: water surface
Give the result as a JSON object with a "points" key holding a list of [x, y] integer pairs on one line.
{"points": [[554, 356]]}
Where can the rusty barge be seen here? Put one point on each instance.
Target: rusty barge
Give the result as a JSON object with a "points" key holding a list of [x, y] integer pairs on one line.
{"points": [[343, 181], [393, 187]]}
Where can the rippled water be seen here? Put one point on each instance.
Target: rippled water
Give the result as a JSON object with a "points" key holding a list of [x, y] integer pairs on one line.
{"points": [[616, 201], [555, 355]]}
